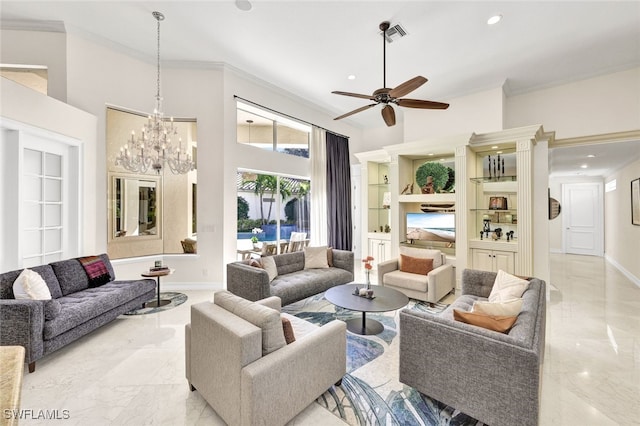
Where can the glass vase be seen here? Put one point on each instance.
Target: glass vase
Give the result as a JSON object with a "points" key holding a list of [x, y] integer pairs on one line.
{"points": [[367, 272]]}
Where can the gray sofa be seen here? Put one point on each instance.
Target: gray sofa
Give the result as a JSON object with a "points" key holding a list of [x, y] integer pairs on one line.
{"points": [[43, 326], [293, 282], [490, 376]]}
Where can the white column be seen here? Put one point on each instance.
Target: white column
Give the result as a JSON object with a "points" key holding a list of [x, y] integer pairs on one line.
{"points": [[524, 256]]}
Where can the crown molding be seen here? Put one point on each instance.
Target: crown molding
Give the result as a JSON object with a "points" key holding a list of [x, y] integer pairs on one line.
{"points": [[627, 136], [32, 25]]}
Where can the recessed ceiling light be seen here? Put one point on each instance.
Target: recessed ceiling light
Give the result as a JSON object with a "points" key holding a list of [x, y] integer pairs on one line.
{"points": [[431, 155], [494, 19], [351, 77], [498, 152], [244, 5], [591, 156], [584, 166], [442, 159], [494, 147]]}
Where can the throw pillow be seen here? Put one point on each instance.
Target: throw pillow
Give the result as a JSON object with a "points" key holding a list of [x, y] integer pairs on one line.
{"points": [[501, 324], [254, 262], [269, 265], [261, 316], [287, 328], [507, 308], [315, 257], [96, 270], [30, 285], [422, 253], [507, 287], [415, 265], [330, 257]]}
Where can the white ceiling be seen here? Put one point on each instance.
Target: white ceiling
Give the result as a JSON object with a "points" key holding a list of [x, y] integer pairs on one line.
{"points": [[310, 47]]}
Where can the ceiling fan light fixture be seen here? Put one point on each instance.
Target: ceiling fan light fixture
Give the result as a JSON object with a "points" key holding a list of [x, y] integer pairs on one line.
{"points": [[494, 19]]}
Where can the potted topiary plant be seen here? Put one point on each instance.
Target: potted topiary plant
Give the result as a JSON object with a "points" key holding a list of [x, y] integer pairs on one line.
{"points": [[437, 171]]}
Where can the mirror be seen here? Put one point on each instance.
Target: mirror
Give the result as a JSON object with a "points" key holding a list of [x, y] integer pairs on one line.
{"points": [[135, 207]]}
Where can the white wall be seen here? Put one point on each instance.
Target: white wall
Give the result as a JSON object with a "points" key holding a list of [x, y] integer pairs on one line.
{"points": [[605, 104], [98, 76], [46, 48], [480, 113], [34, 112], [621, 238]]}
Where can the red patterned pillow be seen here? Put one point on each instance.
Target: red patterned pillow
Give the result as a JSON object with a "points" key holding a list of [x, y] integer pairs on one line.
{"points": [[415, 265]]}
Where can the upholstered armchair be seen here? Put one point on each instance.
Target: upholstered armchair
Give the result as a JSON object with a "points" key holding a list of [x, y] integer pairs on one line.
{"points": [[419, 273], [237, 358]]}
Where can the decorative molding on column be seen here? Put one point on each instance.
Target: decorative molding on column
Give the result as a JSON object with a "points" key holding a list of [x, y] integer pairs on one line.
{"points": [[462, 210], [524, 166]]}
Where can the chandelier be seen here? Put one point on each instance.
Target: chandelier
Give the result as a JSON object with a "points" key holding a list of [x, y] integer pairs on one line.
{"points": [[153, 148]]}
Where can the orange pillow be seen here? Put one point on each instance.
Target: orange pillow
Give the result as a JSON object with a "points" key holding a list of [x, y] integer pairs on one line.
{"points": [[287, 328], [501, 324], [415, 265]]}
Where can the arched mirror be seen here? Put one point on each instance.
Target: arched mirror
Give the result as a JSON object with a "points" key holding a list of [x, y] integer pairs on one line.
{"points": [[554, 208]]}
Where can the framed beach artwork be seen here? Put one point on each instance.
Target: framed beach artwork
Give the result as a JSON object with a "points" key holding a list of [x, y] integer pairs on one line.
{"points": [[635, 202]]}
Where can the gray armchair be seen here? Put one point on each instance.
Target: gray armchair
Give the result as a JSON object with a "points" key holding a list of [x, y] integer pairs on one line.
{"points": [[226, 365]]}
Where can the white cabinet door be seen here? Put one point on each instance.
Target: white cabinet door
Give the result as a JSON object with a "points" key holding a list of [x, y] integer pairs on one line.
{"points": [[503, 260], [492, 260], [482, 259], [379, 249]]}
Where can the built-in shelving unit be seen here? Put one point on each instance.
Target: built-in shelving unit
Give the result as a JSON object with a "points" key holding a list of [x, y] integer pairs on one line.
{"points": [[506, 196]]}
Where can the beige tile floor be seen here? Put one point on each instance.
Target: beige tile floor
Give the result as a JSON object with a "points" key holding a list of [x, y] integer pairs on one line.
{"points": [[131, 372]]}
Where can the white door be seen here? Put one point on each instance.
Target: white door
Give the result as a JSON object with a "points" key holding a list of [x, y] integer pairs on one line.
{"points": [[582, 218]]}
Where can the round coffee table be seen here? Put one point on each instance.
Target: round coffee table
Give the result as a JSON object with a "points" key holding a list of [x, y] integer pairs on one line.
{"points": [[386, 299]]}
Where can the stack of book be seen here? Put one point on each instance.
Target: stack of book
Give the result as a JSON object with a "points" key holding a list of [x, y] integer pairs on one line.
{"points": [[158, 268]]}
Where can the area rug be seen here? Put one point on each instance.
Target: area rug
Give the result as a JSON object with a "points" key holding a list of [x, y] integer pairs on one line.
{"points": [[175, 298], [370, 393]]}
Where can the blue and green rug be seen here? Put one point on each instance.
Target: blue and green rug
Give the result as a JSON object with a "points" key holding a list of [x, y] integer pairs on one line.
{"points": [[370, 393]]}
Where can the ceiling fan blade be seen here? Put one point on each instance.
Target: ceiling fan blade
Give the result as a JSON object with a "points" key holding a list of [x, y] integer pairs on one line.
{"points": [[389, 115], [355, 111], [407, 87], [417, 103], [355, 95]]}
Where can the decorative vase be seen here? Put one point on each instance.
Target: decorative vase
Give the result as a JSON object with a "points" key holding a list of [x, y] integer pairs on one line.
{"points": [[368, 282]]}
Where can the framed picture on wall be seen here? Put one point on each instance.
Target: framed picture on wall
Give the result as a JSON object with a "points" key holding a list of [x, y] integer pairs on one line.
{"points": [[635, 202], [498, 203]]}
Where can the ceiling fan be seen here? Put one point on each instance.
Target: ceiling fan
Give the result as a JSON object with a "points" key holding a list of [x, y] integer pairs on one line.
{"points": [[389, 96]]}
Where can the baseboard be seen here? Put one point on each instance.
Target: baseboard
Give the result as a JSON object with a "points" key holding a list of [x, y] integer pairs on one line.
{"points": [[556, 251], [624, 271], [210, 286]]}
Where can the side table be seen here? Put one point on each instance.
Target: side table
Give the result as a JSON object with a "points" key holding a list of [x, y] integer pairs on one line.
{"points": [[157, 275]]}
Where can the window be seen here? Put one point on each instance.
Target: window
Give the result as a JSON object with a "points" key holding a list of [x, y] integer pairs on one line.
{"points": [[273, 213], [271, 131]]}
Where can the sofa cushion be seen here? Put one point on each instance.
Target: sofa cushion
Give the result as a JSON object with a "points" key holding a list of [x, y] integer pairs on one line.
{"points": [[421, 253], [415, 265], [307, 282], [82, 306], [46, 272], [507, 287], [269, 264], [501, 324], [71, 276], [289, 262], [315, 257], [406, 280], [30, 285], [261, 316], [507, 308]]}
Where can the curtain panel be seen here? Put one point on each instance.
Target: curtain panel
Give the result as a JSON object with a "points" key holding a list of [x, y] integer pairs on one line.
{"points": [[338, 192], [318, 213]]}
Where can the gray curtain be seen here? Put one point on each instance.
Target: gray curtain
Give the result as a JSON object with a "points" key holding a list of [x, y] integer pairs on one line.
{"points": [[338, 192]]}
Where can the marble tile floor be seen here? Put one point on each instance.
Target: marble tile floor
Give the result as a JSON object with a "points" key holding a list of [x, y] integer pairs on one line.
{"points": [[131, 372]]}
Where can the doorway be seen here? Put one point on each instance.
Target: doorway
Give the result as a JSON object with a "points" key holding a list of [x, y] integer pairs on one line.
{"points": [[583, 218]]}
